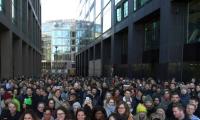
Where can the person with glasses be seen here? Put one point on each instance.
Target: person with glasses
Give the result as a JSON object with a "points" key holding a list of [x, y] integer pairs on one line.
{"points": [[47, 114], [124, 111]]}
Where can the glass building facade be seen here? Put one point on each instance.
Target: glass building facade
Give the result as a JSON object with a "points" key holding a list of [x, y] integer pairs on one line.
{"points": [[141, 38], [95, 16], [62, 49]]}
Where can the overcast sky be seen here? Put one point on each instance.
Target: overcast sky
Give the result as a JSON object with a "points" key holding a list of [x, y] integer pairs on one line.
{"points": [[58, 9]]}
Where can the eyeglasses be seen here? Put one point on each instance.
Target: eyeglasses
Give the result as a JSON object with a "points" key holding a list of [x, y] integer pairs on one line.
{"points": [[121, 107], [60, 113]]}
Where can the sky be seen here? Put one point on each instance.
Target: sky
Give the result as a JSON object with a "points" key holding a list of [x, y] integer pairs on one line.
{"points": [[58, 9]]}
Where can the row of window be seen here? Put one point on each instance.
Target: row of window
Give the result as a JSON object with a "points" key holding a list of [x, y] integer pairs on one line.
{"points": [[122, 11]]}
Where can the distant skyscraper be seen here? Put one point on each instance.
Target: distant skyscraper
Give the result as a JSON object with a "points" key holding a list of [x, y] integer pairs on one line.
{"points": [[59, 46]]}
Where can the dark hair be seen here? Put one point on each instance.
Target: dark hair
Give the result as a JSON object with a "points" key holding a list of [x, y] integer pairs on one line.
{"points": [[67, 113], [127, 109], [97, 109], [81, 110], [179, 106], [116, 116], [31, 112]]}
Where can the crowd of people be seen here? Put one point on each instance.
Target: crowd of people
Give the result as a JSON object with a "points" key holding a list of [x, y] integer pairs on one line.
{"points": [[117, 98]]}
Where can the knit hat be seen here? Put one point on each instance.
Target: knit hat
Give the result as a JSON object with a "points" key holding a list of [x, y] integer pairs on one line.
{"points": [[7, 96], [76, 105], [148, 99], [141, 108]]}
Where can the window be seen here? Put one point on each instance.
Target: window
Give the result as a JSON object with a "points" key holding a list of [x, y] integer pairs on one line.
{"points": [[117, 1], [152, 35], [119, 14], [1, 5], [139, 3], [194, 22], [98, 7], [107, 17], [125, 9], [105, 2]]}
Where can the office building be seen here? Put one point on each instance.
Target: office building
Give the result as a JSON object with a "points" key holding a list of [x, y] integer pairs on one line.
{"points": [[59, 46], [20, 38], [141, 38]]}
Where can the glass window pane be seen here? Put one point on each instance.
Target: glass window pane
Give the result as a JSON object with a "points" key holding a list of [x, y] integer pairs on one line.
{"points": [[105, 2], [126, 9], [107, 17], [98, 26], [194, 22], [152, 35], [117, 1], [1, 5], [98, 7], [119, 14]]}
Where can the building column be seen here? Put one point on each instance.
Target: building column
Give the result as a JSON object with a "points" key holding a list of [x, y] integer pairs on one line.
{"points": [[25, 59], [31, 61], [6, 54], [17, 57]]}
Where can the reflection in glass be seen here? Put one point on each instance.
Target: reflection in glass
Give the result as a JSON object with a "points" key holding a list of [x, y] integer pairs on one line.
{"points": [[125, 9], [139, 3], [119, 14], [1, 5], [194, 22], [98, 26], [152, 35], [105, 2], [98, 7], [117, 1], [107, 17]]}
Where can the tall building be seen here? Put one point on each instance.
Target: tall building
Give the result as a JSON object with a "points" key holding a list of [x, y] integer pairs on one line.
{"points": [[141, 38], [20, 38], [59, 46]]}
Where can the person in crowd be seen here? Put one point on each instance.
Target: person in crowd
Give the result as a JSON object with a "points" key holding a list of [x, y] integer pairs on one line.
{"points": [[81, 115], [76, 106], [99, 113], [51, 105], [57, 98], [165, 99], [40, 110], [175, 99], [29, 100], [47, 114], [190, 109], [161, 112], [179, 112], [13, 113], [29, 115], [108, 95], [110, 106], [62, 114], [115, 116], [123, 110], [141, 112], [195, 102]]}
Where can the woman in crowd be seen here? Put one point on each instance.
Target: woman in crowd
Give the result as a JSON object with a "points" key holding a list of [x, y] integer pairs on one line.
{"points": [[81, 115], [99, 113], [123, 110], [110, 106], [29, 115], [51, 105], [14, 114], [47, 114], [63, 114]]}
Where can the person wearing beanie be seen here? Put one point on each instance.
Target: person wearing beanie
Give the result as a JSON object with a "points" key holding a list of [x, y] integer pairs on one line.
{"points": [[76, 106], [141, 112], [148, 102]]}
